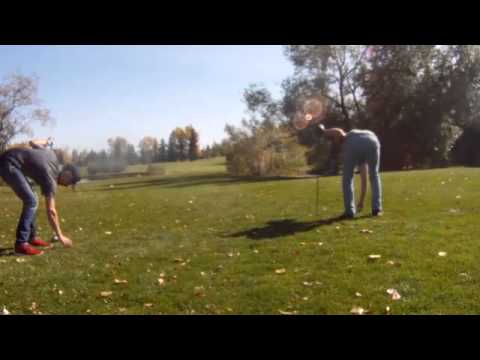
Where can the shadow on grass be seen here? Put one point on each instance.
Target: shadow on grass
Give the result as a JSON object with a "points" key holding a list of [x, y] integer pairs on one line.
{"points": [[280, 228], [7, 252], [195, 180]]}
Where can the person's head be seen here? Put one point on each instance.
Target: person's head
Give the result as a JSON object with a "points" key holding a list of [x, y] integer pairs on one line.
{"points": [[69, 175]]}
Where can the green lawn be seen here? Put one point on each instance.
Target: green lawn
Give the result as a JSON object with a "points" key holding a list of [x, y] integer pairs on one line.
{"points": [[216, 244]]}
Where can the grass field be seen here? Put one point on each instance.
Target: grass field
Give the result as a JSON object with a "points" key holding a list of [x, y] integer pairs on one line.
{"points": [[199, 242]]}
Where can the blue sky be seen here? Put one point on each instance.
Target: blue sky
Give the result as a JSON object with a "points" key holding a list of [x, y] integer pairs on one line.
{"points": [[97, 92]]}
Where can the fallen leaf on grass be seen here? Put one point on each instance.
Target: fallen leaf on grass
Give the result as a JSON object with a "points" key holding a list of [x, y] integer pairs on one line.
{"points": [[388, 310], [366, 231], [122, 309], [357, 294], [395, 295], [161, 282], [320, 244], [374, 257], [295, 312], [442, 254], [308, 284], [5, 311], [357, 310], [202, 273], [178, 260], [20, 260], [147, 305], [118, 281], [199, 291], [106, 293], [280, 271], [60, 292], [108, 233], [255, 251]]}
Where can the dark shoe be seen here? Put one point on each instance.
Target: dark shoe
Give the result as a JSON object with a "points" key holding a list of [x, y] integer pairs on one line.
{"points": [[346, 216], [26, 249]]}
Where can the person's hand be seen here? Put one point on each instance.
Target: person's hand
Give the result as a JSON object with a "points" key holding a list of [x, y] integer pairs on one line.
{"points": [[65, 241]]}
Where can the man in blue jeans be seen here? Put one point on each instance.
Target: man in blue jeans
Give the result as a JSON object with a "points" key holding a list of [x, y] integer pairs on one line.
{"points": [[361, 148], [41, 165]]}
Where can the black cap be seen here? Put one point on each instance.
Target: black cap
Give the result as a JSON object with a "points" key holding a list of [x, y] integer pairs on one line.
{"points": [[75, 171]]}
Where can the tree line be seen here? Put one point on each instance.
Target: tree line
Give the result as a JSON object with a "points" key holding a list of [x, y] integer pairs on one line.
{"points": [[423, 101], [182, 145]]}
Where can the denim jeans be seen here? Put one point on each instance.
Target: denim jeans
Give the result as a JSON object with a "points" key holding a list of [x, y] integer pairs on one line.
{"points": [[360, 149], [26, 230]]}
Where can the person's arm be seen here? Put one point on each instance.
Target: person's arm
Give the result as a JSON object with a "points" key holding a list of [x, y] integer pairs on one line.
{"points": [[54, 223], [363, 186]]}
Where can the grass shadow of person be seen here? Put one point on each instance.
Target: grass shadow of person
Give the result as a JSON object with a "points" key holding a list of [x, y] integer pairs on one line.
{"points": [[280, 228]]}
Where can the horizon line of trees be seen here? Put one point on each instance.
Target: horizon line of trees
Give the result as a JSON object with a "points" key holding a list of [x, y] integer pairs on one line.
{"points": [[182, 145]]}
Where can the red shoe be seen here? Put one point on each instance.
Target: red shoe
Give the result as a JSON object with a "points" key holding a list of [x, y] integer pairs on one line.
{"points": [[26, 249], [40, 243]]}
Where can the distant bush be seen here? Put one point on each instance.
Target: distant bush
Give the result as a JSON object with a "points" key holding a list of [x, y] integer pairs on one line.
{"points": [[266, 155], [155, 169]]}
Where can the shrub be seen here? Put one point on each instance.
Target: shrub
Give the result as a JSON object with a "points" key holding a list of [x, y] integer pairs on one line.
{"points": [[153, 169]]}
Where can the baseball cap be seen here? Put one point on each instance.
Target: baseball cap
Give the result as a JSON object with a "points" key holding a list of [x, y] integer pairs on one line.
{"points": [[75, 171]]}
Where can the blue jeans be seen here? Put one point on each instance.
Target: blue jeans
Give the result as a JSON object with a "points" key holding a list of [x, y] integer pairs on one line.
{"points": [[360, 149], [26, 230]]}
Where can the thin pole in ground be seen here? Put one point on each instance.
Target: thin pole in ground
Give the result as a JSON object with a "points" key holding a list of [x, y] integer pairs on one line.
{"points": [[318, 194]]}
